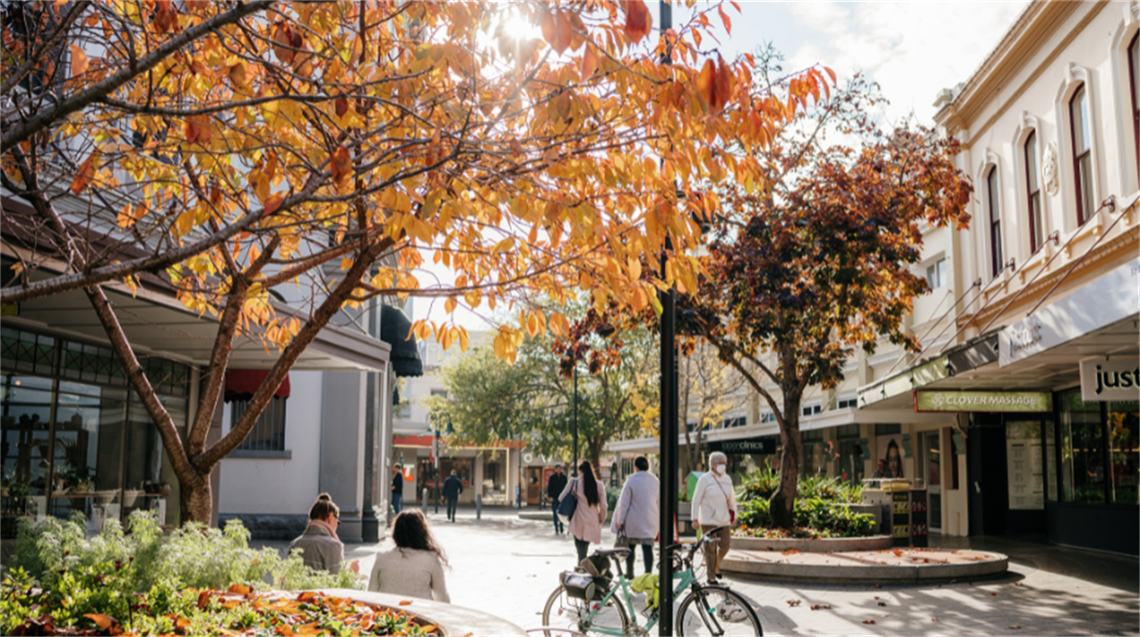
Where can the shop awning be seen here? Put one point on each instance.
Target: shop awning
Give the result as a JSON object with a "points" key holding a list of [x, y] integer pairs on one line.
{"points": [[241, 384], [394, 330]]}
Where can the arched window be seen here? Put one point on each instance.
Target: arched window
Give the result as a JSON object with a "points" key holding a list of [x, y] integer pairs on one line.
{"points": [[1033, 184], [995, 220], [1134, 82], [1082, 153]]}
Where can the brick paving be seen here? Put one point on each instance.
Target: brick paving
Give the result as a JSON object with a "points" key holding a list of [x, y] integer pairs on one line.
{"points": [[508, 567]]}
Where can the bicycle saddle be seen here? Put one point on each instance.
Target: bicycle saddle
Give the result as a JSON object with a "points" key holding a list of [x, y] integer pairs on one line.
{"points": [[613, 551]]}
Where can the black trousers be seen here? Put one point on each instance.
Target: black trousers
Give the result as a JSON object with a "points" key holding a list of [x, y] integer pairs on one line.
{"points": [[646, 554], [582, 547], [451, 503]]}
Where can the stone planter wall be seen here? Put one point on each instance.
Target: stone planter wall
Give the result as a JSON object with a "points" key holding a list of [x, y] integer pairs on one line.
{"points": [[868, 543], [452, 620]]}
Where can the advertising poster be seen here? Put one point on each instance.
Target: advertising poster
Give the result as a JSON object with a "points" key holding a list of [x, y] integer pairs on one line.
{"points": [[889, 450], [1023, 456]]}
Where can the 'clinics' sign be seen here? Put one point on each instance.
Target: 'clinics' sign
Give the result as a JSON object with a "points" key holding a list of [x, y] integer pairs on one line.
{"points": [[986, 401], [1103, 380]]}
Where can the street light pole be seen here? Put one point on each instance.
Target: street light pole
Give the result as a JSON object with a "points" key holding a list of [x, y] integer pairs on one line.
{"points": [[436, 453], [575, 468], [668, 427]]}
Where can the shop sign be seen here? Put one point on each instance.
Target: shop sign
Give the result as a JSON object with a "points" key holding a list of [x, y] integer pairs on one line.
{"points": [[1103, 380], [985, 401], [765, 445], [1106, 300]]}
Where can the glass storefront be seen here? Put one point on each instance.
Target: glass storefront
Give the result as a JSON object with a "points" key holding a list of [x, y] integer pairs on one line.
{"points": [[75, 439], [1099, 450]]}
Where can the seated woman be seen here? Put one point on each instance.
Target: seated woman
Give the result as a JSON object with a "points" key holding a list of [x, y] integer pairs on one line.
{"points": [[320, 548], [415, 566]]}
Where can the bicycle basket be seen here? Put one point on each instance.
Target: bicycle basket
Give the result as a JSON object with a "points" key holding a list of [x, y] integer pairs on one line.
{"points": [[579, 585]]}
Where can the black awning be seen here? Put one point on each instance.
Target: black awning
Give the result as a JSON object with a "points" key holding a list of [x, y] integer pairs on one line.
{"points": [[394, 328]]}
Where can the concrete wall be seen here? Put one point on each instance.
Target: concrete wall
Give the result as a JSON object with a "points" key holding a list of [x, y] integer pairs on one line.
{"points": [[279, 486]]}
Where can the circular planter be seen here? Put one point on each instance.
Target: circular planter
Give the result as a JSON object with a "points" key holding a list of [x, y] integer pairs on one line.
{"points": [[904, 566], [451, 620], [865, 543]]}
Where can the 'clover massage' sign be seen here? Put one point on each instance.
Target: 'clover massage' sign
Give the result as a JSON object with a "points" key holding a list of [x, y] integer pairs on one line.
{"points": [[985, 401]]}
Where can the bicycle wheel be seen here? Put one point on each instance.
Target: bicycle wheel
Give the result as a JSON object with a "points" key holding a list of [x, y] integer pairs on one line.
{"points": [[716, 610], [563, 611]]}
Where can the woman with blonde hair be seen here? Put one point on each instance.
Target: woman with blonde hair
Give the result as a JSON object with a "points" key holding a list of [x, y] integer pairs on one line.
{"points": [[714, 507], [320, 547]]}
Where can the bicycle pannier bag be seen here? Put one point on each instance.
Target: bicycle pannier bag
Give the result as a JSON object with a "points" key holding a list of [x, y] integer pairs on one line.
{"points": [[579, 585], [568, 504]]}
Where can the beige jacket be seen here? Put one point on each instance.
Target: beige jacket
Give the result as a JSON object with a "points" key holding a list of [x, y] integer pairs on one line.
{"points": [[319, 550], [409, 572]]}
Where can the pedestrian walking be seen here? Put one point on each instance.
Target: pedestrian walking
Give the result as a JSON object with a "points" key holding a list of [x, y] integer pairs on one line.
{"points": [[397, 488], [714, 503], [452, 487], [586, 525], [414, 567], [636, 515], [320, 548], [554, 487]]}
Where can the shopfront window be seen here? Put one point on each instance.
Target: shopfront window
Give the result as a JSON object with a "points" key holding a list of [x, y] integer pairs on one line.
{"points": [[1124, 450], [814, 460], [67, 446], [87, 451], [1051, 493], [850, 454], [1082, 450], [25, 402]]}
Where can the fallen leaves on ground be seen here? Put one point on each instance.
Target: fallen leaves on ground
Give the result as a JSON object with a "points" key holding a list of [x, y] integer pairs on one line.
{"points": [[868, 621], [821, 606]]}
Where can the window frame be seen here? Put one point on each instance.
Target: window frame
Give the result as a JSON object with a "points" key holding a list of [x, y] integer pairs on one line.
{"points": [[1133, 54], [1082, 91], [1033, 178], [272, 421], [993, 194]]}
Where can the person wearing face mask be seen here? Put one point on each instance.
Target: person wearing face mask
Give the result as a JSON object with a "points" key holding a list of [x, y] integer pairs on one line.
{"points": [[714, 505]]}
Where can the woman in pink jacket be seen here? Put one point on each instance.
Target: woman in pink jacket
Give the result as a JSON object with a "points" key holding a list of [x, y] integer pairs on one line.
{"points": [[586, 525]]}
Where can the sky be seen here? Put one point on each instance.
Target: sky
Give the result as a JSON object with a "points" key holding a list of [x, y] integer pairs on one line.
{"points": [[913, 49]]}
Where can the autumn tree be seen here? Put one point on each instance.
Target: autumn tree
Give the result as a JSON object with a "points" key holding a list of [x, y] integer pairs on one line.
{"points": [[491, 400], [819, 263], [228, 149]]}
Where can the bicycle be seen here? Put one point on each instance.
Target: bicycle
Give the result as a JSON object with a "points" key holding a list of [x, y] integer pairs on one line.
{"points": [[707, 609]]}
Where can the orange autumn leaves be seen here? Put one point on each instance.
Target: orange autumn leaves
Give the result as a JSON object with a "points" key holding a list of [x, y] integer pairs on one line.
{"points": [[715, 84]]}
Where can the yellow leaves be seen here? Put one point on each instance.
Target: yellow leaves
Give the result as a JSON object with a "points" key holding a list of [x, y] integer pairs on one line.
{"points": [[78, 61], [724, 19], [533, 322], [638, 22], [506, 344], [559, 326], [272, 203], [715, 85], [85, 173], [130, 215], [102, 621]]}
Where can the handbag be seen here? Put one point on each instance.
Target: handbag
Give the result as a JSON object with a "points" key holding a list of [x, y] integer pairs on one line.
{"points": [[731, 512], [569, 504]]}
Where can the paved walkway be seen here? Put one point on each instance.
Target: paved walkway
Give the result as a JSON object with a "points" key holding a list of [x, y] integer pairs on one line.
{"points": [[508, 567]]}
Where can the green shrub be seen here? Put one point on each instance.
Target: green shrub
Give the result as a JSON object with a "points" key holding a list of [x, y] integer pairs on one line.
{"points": [[819, 510], [192, 555]]}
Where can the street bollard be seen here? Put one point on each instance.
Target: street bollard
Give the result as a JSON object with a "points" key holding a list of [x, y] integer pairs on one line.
{"points": [[425, 499], [478, 506]]}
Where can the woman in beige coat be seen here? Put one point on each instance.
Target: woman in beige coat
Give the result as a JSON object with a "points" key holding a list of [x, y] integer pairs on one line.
{"points": [[586, 525]]}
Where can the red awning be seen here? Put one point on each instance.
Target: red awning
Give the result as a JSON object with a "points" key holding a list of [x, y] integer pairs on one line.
{"points": [[241, 384]]}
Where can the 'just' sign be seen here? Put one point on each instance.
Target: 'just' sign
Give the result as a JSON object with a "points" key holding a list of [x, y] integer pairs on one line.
{"points": [[1103, 380]]}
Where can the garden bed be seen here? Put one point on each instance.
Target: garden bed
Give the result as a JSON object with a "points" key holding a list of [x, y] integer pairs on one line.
{"points": [[812, 545]]}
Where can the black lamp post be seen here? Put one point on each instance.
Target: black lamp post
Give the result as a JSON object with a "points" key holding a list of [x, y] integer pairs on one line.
{"points": [[435, 452], [668, 428], [574, 469]]}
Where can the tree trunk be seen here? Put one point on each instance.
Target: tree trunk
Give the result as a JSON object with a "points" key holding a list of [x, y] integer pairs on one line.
{"points": [[196, 500], [781, 507]]}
